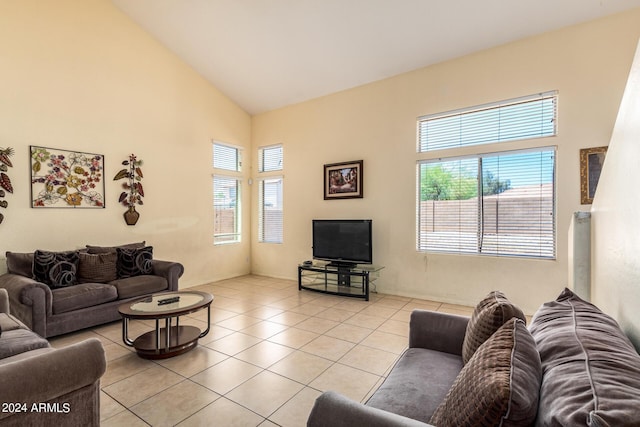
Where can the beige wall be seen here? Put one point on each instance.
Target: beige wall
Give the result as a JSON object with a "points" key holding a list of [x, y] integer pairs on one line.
{"points": [[615, 228], [80, 75], [587, 64]]}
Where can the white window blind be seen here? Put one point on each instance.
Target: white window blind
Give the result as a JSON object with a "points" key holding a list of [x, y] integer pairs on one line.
{"points": [[226, 157], [270, 215], [499, 204], [226, 193], [522, 118], [270, 158]]}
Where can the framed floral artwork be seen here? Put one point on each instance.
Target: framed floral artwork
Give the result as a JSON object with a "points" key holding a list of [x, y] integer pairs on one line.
{"points": [[66, 179], [343, 180]]}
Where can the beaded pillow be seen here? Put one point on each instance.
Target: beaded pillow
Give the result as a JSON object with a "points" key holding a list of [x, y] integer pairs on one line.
{"points": [[499, 385], [490, 313], [97, 268]]}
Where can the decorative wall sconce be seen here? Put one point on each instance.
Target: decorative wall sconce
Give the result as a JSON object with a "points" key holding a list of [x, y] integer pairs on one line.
{"points": [[134, 192], [5, 181]]}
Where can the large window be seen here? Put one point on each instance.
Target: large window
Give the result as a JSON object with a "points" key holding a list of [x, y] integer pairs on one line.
{"points": [[501, 203], [270, 213], [226, 193]]}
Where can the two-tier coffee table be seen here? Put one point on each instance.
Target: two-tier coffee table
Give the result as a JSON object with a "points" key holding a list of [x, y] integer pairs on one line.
{"points": [[172, 339]]}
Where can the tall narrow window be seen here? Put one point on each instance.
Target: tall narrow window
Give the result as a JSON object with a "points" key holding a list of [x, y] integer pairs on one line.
{"points": [[270, 212], [270, 215], [500, 203], [226, 193]]}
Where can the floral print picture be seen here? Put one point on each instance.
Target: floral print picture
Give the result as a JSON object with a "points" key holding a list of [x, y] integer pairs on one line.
{"points": [[66, 179]]}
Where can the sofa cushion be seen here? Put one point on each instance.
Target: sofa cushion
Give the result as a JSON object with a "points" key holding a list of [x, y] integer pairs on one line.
{"points": [[106, 249], [20, 263], [139, 285], [55, 269], [83, 295], [499, 385], [591, 371], [9, 323], [134, 262], [18, 341], [488, 316], [97, 268], [417, 384]]}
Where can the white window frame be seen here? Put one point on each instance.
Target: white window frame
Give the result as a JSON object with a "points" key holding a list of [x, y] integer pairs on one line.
{"points": [[228, 198], [449, 152], [270, 227]]}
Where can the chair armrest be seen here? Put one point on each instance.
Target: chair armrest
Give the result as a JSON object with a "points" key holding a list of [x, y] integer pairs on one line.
{"points": [[437, 331], [332, 409], [4, 301], [30, 301], [52, 374], [170, 270]]}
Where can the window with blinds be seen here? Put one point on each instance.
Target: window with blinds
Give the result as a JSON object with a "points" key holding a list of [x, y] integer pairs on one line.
{"points": [[270, 215], [270, 212], [270, 158], [226, 157], [226, 193], [501, 203], [522, 118]]}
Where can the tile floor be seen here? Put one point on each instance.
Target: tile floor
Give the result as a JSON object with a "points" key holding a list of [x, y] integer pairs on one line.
{"points": [[272, 350]]}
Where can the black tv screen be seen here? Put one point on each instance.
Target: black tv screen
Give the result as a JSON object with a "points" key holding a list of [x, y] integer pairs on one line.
{"points": [[342, 241]]}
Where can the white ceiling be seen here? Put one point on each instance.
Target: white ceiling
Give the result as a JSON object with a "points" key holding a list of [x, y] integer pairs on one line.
{"points": [[265, 54]]}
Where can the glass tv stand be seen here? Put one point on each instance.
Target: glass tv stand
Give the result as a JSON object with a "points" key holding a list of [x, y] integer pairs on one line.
{"points": [[351, 281]]}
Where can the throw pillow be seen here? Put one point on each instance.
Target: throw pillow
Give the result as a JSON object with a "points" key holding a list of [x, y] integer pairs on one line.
{"points": [[106, 249], [134, 262], [20, 263], [55, 269], [97, 268], [490, 313], [499, 385], [591, 371]]}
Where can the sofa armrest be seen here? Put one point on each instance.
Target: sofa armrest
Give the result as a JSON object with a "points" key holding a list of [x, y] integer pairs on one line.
{"points": [[437, 331], [332, 409], [4, 301], [170, 270], [30, 301], [52, 374]]}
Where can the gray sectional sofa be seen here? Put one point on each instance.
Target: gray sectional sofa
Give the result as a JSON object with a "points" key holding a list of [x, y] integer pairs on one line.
{"points": [[55, 293], [43, 386], [572, 366]]}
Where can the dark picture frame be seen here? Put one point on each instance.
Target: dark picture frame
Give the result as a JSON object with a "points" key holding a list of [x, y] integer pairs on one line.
{"points": [[343, 180], [591, 162], [66, 179]]}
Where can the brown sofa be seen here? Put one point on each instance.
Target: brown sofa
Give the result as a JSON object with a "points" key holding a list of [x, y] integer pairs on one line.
{"points": [[106, 277], [43, 386], [572, 366]]}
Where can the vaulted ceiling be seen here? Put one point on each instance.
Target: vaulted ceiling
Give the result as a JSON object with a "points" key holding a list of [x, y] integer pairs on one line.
{"points": [[266, 54]]}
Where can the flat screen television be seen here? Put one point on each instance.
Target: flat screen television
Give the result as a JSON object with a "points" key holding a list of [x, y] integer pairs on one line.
{"points": [[343, 242]]}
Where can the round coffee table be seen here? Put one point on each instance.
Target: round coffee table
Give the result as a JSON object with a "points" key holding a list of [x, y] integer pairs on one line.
{"points": [[172, 339]]}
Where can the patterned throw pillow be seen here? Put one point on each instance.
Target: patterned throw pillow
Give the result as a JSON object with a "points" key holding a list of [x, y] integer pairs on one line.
{"points": [[134, 262], [499, 385], [490, 313], [55, 269], [97, 268]]}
